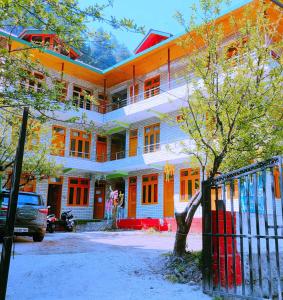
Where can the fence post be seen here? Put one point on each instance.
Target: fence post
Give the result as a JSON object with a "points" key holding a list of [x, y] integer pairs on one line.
{"points": [[206, 236]]}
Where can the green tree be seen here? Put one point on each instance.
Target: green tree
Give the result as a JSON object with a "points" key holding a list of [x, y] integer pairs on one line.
{"points": [[233, 112], [66, 19]]}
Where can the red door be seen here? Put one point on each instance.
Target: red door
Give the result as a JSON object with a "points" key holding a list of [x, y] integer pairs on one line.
{"points": [[132, 197], [168, 197], [99, 200], [101, 148]]}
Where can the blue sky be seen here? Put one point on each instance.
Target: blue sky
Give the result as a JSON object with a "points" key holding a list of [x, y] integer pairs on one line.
{"points": [[155, 14]]}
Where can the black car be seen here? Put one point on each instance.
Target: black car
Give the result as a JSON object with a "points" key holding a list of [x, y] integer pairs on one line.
{"points": [[30, 217]]}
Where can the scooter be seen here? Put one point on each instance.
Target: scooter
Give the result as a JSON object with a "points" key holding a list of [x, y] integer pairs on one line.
{"points": [[51, 219], [68, 220]]}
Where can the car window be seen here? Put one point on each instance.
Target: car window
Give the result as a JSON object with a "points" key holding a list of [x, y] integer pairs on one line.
{"points": [[24, 199]]}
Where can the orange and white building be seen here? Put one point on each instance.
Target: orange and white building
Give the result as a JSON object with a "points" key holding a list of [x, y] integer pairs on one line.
{"points": [[137, 146]]}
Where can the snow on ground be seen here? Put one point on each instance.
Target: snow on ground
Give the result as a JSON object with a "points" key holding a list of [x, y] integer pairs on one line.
{"points": [[96, 265]]}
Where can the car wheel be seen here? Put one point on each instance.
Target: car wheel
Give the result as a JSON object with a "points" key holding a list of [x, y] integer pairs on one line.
{"points": [[37, 237], [51, 228]]}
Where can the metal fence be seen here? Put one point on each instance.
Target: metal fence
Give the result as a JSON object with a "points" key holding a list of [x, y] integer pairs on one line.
{"points": [[243, 232]]}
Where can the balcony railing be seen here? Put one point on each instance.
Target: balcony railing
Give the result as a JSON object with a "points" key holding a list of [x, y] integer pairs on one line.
{"points": [[168, 147], [163, 88]]}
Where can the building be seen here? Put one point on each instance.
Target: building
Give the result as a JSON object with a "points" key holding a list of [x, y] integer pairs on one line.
{"points": [[136, 146]]}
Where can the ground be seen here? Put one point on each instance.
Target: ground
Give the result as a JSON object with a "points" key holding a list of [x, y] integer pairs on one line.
{"points": [[96, 265]]}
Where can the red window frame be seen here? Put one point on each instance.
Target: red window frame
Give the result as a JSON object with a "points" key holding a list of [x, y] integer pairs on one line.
{"points": [[78, 191], [152, 87]]}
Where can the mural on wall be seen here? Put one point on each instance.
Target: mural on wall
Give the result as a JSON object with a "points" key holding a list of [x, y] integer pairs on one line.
{"points": [[114, 206]]}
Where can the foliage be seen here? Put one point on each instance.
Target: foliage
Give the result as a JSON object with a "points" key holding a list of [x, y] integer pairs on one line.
{"points": [[20, 86], [234, 108]]}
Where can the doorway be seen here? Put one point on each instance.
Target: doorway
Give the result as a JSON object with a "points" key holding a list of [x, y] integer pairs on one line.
{"points": [[168, 197], [101, 148], [54, 199], [132, 197], [99, 200]]}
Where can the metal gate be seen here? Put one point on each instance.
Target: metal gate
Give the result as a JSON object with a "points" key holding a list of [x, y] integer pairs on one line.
{"points": [[243, 232]]}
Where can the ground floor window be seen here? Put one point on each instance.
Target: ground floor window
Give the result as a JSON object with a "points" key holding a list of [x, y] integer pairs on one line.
{"points": [[189, 183], [150, 189], [78, 191]]}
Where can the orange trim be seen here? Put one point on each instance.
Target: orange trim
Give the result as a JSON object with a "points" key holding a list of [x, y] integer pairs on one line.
{"points": [[133, 142], [189, 183], [151, 87], [152, 138], [58, 141]]}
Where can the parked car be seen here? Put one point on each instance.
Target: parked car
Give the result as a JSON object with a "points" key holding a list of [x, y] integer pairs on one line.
{"points": [[30, 217]]}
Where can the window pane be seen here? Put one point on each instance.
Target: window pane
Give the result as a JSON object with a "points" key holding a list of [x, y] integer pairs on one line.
{"points": [[71, 195], [84, 181], [189, 189], [73, 147], [80, 148], [145, 179], [78, 200], [196, 184], [149, 194], [85, 195], [144, 194], [74, 181], [183, 196], [87, 148], [155, 196]]}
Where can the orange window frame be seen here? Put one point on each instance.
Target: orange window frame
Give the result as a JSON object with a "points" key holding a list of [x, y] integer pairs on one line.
{"points": [[78, 191], [58, 139], [152, 87], [63, 89], [79, 97], [152, 138], [189, 183], [133, 142], [149, 189], [80, 139]]}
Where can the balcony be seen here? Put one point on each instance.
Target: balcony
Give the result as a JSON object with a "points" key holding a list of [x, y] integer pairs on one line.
{"points": [[150, 156], [145, 95]]}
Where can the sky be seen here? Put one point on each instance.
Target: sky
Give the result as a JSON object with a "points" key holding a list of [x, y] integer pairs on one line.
{"points": [[153, 14]]}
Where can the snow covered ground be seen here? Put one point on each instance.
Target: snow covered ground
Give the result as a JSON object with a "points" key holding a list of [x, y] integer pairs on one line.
{"points": [[96, 265]]}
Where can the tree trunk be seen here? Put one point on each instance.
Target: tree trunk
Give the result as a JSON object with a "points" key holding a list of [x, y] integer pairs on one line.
{"points": [[184, 221]]}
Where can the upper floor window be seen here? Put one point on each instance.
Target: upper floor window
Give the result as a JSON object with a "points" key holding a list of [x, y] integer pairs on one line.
{"points": [[80, 143], [152, 87], [152, 138], [119, 99], [62, 89], [81, 98], [33, 82], [58, 140]]}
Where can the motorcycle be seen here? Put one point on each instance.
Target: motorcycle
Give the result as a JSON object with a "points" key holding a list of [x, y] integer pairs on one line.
{"points": [[51, 219], [68, 220]]}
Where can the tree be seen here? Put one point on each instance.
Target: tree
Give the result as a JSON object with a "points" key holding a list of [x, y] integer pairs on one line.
{"points": [[233, 112], [20, 86]]}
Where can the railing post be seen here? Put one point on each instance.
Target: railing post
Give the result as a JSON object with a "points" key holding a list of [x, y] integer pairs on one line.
{"points": [[206, 236]]}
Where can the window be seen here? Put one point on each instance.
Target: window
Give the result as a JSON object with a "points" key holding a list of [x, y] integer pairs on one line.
{"points": [[152, 138], [81, 98], [133, 142], [78, 191], [151, 87], [62, 89], [58, 140], [150, 189], [80, 143], [33, 82], [189, 183]]}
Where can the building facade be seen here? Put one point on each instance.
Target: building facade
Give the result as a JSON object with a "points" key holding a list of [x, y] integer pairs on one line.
{"points": [[133, 145]]}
